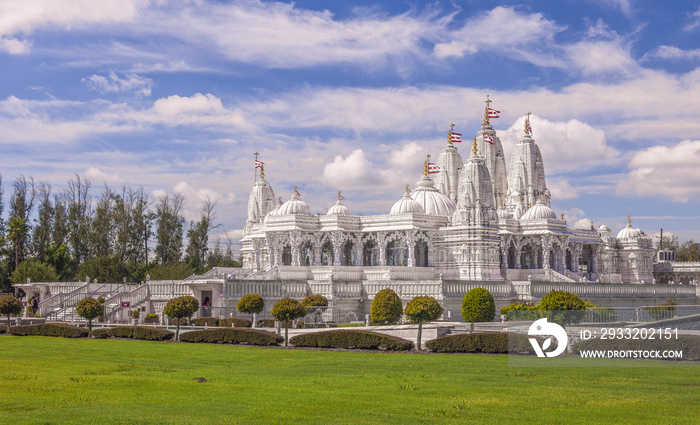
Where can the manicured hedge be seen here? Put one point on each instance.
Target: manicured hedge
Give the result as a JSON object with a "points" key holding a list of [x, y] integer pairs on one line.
{"points": [[236, 322], [347, 338], [480, 343], [50, 329], [209, 321], [232, 336], [142, 332], [690, 345]]}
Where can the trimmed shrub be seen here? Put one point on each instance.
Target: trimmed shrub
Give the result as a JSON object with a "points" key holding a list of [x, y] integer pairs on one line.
{"points": [[570, 308], [285, 310], [386, 308], [10, 305], [478, 306], [315, 301], [135, 332], [180, 308], [521, 311], [236, 322], [232, 336], [135, 314], [89, 308], [183, 322], [495, 343], [209, 321], [50, 329], [266, 323], [422, 310], [251, 304], [352, 339]]}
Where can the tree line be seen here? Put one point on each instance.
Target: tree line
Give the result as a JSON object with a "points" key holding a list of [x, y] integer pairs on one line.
{"points": [[52, 235]]}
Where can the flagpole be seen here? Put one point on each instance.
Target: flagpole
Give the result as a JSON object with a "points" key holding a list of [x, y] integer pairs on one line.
{"points": [[255, 169]]}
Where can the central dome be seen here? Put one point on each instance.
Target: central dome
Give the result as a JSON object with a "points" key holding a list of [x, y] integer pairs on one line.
{"points": [[432, 201], [406, 205], [294, 206], [539, 211], [629, 233], [338, 209]]}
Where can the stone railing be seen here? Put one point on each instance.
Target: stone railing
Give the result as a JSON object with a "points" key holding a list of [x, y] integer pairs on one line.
{"points": [[264, 288], [456, 288], [63, 301], [167, 289], [346, 290]]}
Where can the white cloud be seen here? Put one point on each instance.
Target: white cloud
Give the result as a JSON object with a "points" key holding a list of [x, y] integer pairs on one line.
{"points": [[26, 16], [572, 215], [694, 21], [112, 83], [353, 172], [667, 171], [673, 52], [561, 189], [486, 33], [282, 35], [584, 224], [14, 46], [98, 176], [195, 198], [565, 146], [598, 57]]}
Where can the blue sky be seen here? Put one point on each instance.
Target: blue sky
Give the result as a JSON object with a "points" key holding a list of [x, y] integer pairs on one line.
{"points": [[177, 95]]}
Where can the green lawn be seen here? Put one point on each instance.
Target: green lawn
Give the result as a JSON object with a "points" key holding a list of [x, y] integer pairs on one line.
{"points": [[57, 381]]}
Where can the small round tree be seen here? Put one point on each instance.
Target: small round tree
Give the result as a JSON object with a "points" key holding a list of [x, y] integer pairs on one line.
{"points": [[89, 308], [10, 305], [422, 310], [251, 304], [285, 310], [386, 308], [181, 307], [478, 306]]}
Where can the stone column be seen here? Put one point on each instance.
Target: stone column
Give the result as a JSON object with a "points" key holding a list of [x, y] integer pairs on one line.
{"points": [[546, 254], [317, 250], [381, 242], [337, 240], [518, 247], [411, 245]]}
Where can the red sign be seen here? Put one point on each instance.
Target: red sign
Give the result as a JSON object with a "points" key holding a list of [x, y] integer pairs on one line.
{"points": [[126, 304]]}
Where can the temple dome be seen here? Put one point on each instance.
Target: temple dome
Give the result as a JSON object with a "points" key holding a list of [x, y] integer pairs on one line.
{"points": [[406, 205], [629, 233], [274, 212], [432, 201], [338, 209], [294, 206], [539, 211], [603, 228]]}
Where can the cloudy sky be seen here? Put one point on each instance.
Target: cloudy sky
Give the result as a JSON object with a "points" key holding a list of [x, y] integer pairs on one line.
{"points": [[177, 95]]}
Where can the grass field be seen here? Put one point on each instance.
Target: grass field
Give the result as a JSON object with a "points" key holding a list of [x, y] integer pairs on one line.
{"points": [[58, 381]]}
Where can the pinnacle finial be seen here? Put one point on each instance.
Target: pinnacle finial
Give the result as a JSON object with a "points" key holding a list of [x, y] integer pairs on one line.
{"points": [[339, 196], [629, 219], [407, 189], [474, 150], [449, 135], [528, 128], [296, 192], [262, 172], [279, 200]]}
